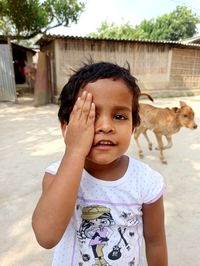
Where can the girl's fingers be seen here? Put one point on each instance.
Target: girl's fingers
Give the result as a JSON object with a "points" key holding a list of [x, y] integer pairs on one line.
{"points": [[81, 102], [91, 115], [82, 106], [86, 107], [76, 109]]}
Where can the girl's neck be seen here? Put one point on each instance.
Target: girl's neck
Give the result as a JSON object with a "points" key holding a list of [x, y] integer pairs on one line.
{"points": [[108, 172]]}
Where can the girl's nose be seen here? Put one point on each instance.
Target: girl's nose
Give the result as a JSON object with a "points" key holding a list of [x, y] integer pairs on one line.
{"points": [[104, 125]]}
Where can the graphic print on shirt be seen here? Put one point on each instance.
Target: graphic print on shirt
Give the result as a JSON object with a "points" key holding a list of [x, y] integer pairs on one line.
{"points": [[98, 230]]}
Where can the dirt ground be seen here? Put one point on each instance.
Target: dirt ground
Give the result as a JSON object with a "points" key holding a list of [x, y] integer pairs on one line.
{"points": [[31, 140]]}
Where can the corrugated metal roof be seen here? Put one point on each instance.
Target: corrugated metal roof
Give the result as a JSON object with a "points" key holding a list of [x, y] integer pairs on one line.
{"points": [[3, 39], [23, 47], [194, 39], [50, 37]]}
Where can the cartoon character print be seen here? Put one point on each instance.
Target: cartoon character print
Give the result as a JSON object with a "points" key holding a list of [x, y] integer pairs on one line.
{"points": [[130, 219], [96, 226], [96, 221]]}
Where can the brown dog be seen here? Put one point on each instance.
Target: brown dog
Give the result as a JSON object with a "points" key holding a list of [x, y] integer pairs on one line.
{"points": [[163, 121]]}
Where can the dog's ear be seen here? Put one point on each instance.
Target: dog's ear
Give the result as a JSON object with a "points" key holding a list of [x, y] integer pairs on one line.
{"points": [[175, 109], [182, 103]]}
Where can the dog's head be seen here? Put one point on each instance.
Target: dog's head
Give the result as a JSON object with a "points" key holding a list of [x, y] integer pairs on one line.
{"points": [[185, 115]]}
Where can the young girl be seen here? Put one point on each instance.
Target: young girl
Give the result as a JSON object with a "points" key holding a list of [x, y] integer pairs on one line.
{"points": [[97, 203]]}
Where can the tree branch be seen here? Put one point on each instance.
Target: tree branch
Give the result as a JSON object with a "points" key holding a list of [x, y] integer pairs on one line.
{"points": [[24, 37], [32, 35], [52, 27]]}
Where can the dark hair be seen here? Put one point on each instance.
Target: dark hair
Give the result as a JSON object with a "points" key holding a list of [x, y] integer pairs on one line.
{"points": [[91, 73]]}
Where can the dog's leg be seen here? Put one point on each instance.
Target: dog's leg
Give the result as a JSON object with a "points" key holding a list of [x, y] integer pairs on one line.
{"points": [[137, 132], [160, 146], [147, 139], [169, 142]]}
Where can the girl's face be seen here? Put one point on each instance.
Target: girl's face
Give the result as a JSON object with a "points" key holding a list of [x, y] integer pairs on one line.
{"points": [[113, 123], [95, 225]]}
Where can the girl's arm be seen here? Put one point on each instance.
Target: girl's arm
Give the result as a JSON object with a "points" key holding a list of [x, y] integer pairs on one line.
{"points": [[56, 205], [154, 233]]}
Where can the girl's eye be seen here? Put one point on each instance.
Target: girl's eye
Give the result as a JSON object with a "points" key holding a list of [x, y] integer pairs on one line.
{"points": [[120, 117]]}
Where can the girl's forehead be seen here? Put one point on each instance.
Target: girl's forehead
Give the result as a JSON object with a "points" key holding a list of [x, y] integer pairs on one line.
{"points": [[109, 93], [107, 86]]}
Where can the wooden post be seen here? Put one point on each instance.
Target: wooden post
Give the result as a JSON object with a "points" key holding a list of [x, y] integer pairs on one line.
{"points": [[41, 89]]}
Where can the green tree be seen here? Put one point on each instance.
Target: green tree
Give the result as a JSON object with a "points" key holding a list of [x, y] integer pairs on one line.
{"points": [[25, 19], [179, 24], [107, 30]]}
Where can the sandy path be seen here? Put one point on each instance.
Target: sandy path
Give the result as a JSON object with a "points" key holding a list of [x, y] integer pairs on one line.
{"points": [[31, 140]]}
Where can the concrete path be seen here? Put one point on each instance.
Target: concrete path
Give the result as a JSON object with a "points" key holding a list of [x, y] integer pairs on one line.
{"points": [[31, 140]]}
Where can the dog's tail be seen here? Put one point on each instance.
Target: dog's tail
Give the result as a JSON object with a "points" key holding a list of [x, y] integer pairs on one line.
{"points": [[146, 94]]}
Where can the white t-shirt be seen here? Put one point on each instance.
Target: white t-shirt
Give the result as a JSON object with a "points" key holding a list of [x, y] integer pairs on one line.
{"points": [[106, 227]]}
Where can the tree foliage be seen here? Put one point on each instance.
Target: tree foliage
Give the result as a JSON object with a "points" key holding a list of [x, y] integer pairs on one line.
{"points": [[107, 30], [179, 24], [24, 19]]}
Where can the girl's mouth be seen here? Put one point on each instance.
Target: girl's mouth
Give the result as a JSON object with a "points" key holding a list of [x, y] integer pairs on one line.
{"points": [[104, 143]]}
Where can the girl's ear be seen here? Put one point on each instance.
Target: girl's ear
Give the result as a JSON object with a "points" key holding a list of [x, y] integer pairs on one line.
{"points": [[63, 127]]}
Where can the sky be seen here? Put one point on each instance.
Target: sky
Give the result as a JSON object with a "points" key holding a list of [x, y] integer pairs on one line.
{"points": [[120, 12]]}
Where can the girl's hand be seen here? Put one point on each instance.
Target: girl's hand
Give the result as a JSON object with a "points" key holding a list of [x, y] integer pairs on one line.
{"points": [[79, 133]]}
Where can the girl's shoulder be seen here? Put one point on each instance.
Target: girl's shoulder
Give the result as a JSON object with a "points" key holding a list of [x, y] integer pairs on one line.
{"points": [[143, 170], [150, 182]]}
